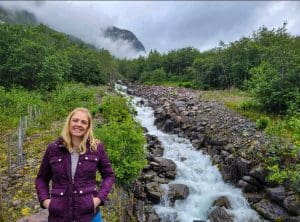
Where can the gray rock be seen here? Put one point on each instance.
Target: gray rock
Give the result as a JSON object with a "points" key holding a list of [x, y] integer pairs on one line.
{"points": [[177, 192], [269, 210], [276, 194], [247, 187], [253, 198], [292, 204], [153, 217], [228, 172], [165, 164], [219, 141], [252, 180], [168, 126], [154, 192], [259, 173], [222, 202], [219, 214], [243, 166]]}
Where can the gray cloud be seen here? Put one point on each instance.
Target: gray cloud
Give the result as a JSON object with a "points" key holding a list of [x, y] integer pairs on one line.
{"points": [[165, 25]]}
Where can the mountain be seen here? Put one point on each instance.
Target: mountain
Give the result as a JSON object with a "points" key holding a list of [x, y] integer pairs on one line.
{"points": [[27, 18], [18, 17], [115, 34]]}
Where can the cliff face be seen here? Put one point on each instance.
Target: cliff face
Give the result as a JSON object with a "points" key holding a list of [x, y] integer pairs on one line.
{"points": [[115, 34]]}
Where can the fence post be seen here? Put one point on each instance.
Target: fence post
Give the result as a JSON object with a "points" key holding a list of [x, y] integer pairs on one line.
{"points": [[9, 153], [20, 142], [25, 122]]}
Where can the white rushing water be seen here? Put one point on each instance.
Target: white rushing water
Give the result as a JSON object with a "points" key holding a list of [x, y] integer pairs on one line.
{"points": [[204, 181]]}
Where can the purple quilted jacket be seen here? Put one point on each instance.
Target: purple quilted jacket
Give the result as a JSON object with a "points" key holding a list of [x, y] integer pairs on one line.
{"points": [[72, 201]]}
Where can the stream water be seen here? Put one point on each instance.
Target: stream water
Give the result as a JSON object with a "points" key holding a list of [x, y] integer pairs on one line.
{"points": [[195, 170]]}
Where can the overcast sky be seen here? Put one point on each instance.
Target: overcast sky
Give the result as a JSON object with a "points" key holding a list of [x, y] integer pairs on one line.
{"points": [[165, 25]]}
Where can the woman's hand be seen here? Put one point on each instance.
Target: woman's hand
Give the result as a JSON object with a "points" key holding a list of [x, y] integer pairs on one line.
{"points": [[97, 201], [46, 203]]}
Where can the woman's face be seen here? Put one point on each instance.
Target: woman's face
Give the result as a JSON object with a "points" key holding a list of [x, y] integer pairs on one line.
{"points": [[79, 124]]}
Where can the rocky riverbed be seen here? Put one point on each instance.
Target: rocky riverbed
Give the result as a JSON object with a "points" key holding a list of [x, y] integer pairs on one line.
{"points": [[231, 140]]}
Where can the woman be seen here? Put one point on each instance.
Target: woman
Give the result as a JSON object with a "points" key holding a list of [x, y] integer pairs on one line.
{"points": [[71, 163]]}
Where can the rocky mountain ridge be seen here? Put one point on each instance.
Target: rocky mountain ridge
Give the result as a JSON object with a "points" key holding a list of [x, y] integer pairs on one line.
{"points": [[113, 33]]}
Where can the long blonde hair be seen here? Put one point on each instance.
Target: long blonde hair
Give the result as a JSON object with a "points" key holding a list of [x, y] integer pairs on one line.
{"points": [[88, 136]]}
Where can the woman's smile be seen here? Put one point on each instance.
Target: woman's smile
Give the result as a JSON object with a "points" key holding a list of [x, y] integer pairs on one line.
{"points": [[79, 124]]}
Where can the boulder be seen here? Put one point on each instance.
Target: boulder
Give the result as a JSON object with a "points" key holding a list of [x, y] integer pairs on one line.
{"points": [[154, 192], [177, 192], [269, 210], [153, 217], [168, 126], [253, 198], [165, 164], [252, 180], [243, 166], [259, 173], [228, 172], [222, 202], [219, 214], [276, 194], [292, 204], [247, 187]]}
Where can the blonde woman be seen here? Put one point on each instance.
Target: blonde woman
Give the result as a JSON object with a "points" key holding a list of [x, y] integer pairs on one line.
{"points": [[71, 163]]}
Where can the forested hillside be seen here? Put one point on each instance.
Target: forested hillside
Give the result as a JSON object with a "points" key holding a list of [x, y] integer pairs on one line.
{"points": [[267, 63], [38, 57]]}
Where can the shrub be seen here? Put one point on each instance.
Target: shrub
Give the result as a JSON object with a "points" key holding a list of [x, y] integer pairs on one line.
{"points": [[123, 139], [124, 143], [262, 122]]}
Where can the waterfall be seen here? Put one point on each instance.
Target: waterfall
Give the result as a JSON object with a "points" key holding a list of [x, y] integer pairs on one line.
{"points": [[195, 170]]}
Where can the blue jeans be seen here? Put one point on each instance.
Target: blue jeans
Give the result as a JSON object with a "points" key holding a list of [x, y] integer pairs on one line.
{"points": [[97, 218]]}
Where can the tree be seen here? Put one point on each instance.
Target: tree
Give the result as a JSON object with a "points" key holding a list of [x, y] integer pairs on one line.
{"points": [[54, 70]]}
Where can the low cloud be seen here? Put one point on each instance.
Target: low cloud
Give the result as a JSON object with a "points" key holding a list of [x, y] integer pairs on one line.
{"points": [[81, 19], [165, 25]]}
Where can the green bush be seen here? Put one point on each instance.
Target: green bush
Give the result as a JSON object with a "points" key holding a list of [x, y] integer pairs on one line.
{"points": [[124, 143], [274, 91], [248, 105], [262, 122], [282, 159], [123, 139], [115, 108]]}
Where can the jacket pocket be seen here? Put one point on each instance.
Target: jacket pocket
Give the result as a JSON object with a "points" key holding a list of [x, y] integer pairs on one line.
{"points": [[86, 202], [58, 203], [89, 165], [57, 165]]}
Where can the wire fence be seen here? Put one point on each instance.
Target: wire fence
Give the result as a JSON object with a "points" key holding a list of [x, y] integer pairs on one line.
{"points": [[15, 153], [15, 140]]}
